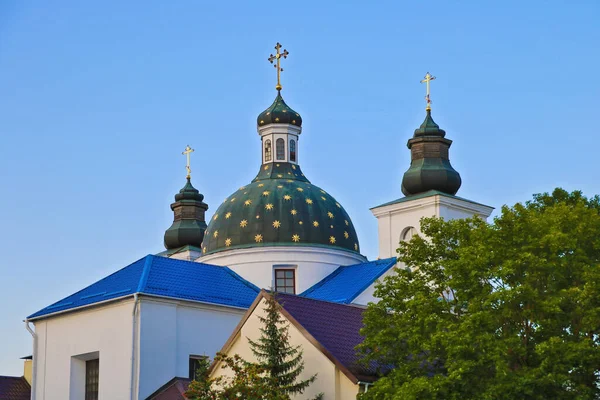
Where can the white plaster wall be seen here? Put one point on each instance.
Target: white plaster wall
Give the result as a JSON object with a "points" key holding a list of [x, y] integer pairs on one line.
{"points": [[106, 330], [256, 264], [393, 219], [171, 331], [368, 295], [330, 381]]}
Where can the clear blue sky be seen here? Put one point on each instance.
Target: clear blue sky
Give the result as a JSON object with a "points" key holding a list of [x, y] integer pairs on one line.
{"points": [[98, 99]]}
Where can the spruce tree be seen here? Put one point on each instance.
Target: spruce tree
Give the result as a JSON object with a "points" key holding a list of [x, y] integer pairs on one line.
{"points": [[282, 362]]}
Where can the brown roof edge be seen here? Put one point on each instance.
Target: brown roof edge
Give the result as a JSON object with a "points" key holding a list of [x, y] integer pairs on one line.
{"points": [[264, 294], [238, 328], [319, 346]]}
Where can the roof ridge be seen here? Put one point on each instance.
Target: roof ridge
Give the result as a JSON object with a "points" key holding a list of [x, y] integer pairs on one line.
{"points": [[238, 277], [282, 295], [85, 287], [145, 273], [319, 284], [392, 261]]}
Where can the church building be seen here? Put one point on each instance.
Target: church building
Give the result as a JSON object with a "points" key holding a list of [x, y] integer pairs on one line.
{"points": [[137, 333]]}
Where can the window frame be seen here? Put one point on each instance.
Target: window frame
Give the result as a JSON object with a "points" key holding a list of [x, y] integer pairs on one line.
{"points": [[193, 365], [293, 150], [280, 150], [286, 283], [92, 379], [268, 150]]}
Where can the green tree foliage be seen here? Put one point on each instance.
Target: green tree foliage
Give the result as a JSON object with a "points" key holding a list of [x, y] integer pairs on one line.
{"points": [[282, 362], [509, 310]]}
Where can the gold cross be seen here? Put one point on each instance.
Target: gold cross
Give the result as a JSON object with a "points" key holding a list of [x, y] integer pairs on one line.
{"points": [[187, 152], [428, 78], [277, 57]]}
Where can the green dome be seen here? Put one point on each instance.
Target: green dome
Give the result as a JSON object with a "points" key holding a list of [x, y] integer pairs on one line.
{"points": [[279, 113], [280, 208]]}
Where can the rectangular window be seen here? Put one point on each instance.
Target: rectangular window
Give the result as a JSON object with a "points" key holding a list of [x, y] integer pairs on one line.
{"points": [[285, 281], [92, 372], [194, 363]]}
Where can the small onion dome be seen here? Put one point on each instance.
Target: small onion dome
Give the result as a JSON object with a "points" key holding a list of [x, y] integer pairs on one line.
{"points": [[429, 127], [188, 222], [188, 192], [279, 113], [280, 207], [430, 167]]}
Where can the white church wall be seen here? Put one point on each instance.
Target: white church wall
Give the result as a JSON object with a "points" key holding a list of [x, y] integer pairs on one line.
{"points": [[66, 340], [256, 264], [394, 219], [171, 331]]}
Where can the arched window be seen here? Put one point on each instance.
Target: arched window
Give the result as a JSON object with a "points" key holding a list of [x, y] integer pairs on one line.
{"points": [[407, 234], [280, 149], [267, 150], [293, 150]]}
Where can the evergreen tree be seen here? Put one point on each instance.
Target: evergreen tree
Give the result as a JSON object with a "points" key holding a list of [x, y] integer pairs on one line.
{"points": [[282, 362]]}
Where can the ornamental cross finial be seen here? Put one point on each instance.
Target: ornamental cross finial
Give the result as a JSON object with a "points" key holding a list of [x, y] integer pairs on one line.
{"points": [[428, 78], [187, 152], [277, 57]]}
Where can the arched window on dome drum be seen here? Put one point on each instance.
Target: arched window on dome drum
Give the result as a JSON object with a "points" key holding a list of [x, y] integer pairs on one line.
{"points": [[280, 149], [267, 150], [293, 150]]}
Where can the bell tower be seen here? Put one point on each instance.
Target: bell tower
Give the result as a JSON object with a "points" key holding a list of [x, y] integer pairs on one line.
{"points": [[430, 185]]}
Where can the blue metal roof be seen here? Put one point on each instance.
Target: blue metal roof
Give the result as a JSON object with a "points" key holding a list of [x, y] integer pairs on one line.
{"points": [[154, 275], [347, 282]]}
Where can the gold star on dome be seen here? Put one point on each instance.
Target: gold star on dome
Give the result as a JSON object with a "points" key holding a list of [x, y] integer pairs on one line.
{"points": [[279, 186], [266, 193], [228, 242], [243, 223], [346, 235], [322, 191], [215, 217], [287, 197], [228, 215], [216, 233], [294, 212], [293, 167], [283, 110], [269, 206], [289, 181], [247, 202], [331, 226], [242, 188], [331, 239], [323, 197], [356, 246], [258, 238], [261, 184], [300, 222], [296, 238], [262, 122], [232, 199], [278, 165], [315, 224], [330, 214], [276, 224], [276, 119], [266, 167], [269, 113], [279, 176], [346, 222], [300, 189], [258, 217], [309, 201], [338, 205]]}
